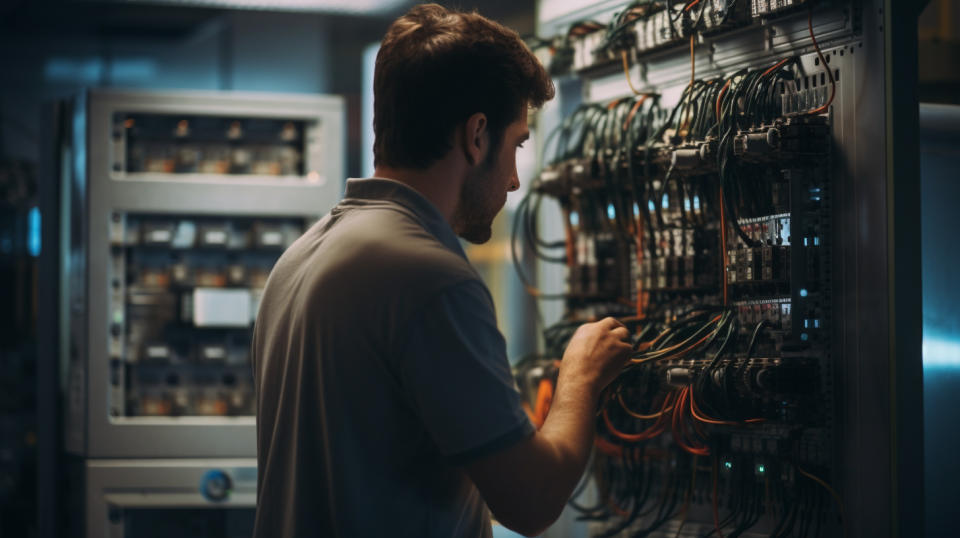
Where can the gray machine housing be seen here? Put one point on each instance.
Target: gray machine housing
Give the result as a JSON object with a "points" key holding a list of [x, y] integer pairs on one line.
{"points": [[101, 192]]}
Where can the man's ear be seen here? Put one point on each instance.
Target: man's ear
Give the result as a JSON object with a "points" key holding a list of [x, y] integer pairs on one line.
{"points": [[476, 138]]}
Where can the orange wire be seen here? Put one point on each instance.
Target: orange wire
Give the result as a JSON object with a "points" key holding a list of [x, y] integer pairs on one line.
{"points": [[607, 447], [823, 62], [626, 72], [720, 97], [544, 399], [679, 432], [695, 411], [775, 67], [633, 111], [634, 414], [691, 4], [660, 353], [649, 433], [702, 417]]}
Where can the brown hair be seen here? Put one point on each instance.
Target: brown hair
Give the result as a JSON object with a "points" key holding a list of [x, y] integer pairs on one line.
{"points": [[436, 67]]}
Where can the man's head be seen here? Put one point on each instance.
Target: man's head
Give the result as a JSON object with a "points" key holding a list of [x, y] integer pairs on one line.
{"points": [[440, 70]]}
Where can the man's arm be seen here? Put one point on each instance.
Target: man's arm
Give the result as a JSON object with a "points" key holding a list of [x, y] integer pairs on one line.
{"points": [[527, 485]]}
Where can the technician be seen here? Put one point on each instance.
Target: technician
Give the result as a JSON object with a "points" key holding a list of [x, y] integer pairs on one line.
{"points": [[386, 406]]}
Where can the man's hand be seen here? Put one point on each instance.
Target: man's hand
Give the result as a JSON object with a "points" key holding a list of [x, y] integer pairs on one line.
{"points": [[527, 485], [596, 354]]}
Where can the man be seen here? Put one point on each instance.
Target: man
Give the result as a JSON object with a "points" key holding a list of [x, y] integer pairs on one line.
{"points": [[386, 406]]}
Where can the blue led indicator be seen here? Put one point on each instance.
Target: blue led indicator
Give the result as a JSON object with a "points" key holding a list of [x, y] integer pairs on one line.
{"points": [[804, 337], [728, 465], [805, 243], [803, 292], [665, 202], [816, 240], [574, 219], [806, 324], [816, 324], [651, 206], [636, 210], [33, 231], [696, 202], [611, 212], [686, 204]]}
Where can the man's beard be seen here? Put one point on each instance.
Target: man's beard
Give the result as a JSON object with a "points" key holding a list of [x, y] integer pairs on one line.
{"points": [[476, 207]]}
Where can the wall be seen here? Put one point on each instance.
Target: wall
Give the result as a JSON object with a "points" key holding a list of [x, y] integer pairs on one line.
{"points": [[281, 52]]}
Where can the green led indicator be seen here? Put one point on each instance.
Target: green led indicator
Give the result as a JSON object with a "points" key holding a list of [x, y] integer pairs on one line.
{"points": [[761, 469], [728, 465]]}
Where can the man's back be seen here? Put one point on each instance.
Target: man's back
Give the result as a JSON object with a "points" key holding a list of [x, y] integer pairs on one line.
{"points": [[370, 327]]}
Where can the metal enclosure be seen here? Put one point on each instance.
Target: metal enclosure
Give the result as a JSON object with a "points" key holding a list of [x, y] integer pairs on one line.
{"points": [[122, 212], [156, 497], [876, 345]]}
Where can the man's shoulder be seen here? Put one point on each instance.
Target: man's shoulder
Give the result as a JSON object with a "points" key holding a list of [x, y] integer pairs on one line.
{"points": [[392, 237], [386, 248]]}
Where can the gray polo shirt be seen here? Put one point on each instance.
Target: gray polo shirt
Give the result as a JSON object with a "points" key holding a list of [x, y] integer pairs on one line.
{"points": [[379, 371]]}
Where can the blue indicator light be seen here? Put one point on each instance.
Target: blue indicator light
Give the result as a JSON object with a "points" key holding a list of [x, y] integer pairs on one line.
{"points": [[696, 202], [728, 465], [816, 324], [651, 206], [803, 292], [611, 212], [665, 202], [816, 241], [33, 231], [574, 219], [804, 337], [636, 209], [806, 324], [686, 204], [805, 243]]}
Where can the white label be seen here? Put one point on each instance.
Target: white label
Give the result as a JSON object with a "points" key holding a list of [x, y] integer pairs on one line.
{"points": [[219, 307], [160, 236], [271, 238], [215, 237]]}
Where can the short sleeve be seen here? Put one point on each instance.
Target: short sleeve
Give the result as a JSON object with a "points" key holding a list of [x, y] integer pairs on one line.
{"points": [[455, 371]]}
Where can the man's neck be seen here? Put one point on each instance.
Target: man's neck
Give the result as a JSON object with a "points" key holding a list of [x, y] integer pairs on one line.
{"points": [[439, 183]]}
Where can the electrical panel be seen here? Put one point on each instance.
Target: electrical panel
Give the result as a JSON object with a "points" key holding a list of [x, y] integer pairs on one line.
{"points": [[184, 296], [182, 203], [696, 206]]}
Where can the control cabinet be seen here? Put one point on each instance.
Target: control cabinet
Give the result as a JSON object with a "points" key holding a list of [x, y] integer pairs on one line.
{"points": [[181, 203], [710, 176]]}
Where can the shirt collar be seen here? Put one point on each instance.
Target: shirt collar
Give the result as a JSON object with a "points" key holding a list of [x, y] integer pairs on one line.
{"points": [[389, 190]]}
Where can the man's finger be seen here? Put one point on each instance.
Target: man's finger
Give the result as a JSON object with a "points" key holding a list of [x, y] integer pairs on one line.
{"points": [[613, 322], [621, 332]]}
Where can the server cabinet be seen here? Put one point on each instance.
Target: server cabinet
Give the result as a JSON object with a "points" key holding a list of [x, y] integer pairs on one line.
{"points": [[179, 205]]}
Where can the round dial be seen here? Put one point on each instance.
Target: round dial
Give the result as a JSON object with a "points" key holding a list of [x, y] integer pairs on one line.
{"points": [[216, 485]]}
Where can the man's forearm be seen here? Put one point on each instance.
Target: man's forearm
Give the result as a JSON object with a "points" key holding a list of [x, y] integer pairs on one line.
{"points": [[569, 430]]}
